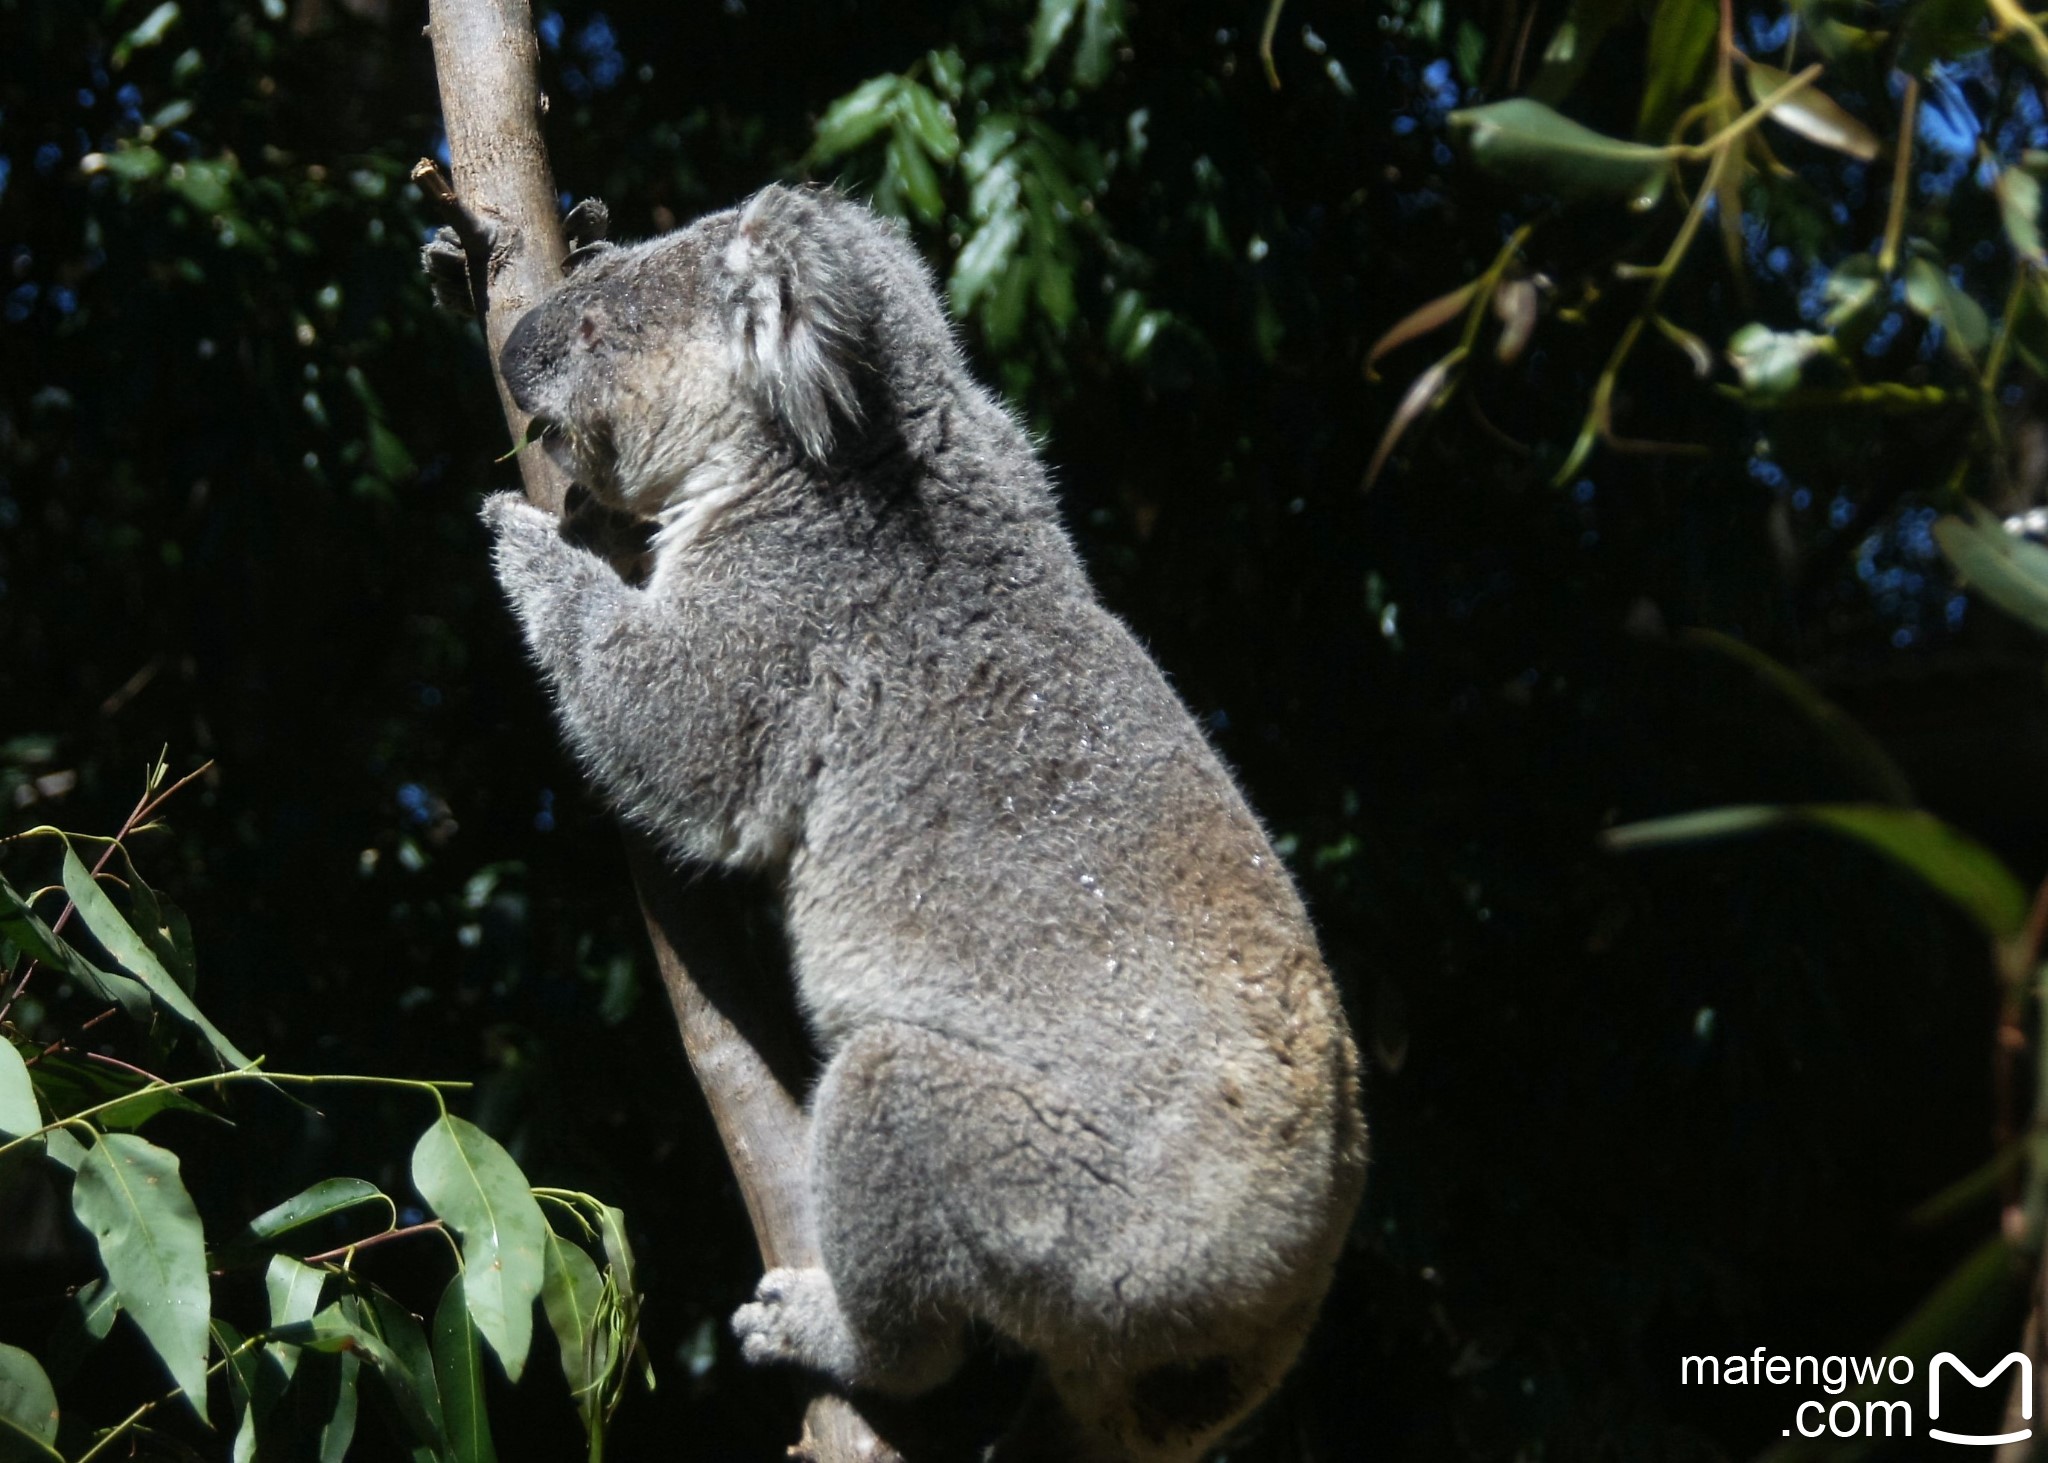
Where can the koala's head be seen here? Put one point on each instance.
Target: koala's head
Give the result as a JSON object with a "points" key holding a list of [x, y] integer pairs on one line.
{"points": [[787, 326]]}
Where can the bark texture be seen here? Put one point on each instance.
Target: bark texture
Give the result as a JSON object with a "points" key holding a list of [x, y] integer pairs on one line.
{"points": [[739, 1042]]}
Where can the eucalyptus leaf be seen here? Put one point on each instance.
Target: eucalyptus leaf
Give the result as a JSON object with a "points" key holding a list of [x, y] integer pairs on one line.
{"points": [[472, 1183], [293, 1290], [1811, 114], [112, 930], [130, 1198], [25, 928], [19, 1113], [1526, 143], [2008, 571], [1681, 39], [1932, 294], [855, 118], [28, 1407], [571, 1295], [329, 1196], [1048, 28], [458, 1365]]}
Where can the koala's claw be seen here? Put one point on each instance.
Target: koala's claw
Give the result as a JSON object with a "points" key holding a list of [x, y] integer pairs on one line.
{"points": [[508, 514], [447, 267], [586, 228]]}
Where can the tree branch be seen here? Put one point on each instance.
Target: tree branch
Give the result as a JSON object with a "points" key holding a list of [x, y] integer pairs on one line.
{"points": [[503, 205]]}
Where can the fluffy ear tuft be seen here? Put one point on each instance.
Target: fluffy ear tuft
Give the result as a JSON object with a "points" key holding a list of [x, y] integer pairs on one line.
{"points": [[797, 323]]}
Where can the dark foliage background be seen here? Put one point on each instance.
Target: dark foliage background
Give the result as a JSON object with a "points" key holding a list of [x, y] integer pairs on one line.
{"points": [[1624, 1109]]}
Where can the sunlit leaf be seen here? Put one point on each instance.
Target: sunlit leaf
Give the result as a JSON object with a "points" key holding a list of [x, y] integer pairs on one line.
{"points": [[129, 1197], [912, 173], [28, 1407], [570, 1295], [1048, 28], [1772, 363], [854, 118], [293, 1290], [339, 1329], [1529, 145], [1856, 296], [1932, 294], [19, 1113], [25, 928], [928, 120], [1102, 25], [984, 259], [329, 1196], [474, 1185], [1419, 322], [2009, 571], [112, 930], [1423, 396], [458, 1366], [2019, 209], [164, 928], [1811, 114]]}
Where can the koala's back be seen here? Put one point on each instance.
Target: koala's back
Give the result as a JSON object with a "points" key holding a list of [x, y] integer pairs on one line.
{"points": [[1012, 833]]}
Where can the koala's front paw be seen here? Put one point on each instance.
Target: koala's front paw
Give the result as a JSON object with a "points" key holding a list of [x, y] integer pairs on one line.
{"points": [[509, 515], [794, 1317], [447, 266]]}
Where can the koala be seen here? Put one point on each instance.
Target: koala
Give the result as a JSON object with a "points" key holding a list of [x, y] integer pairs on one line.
{"points": [[1086, 1080]]}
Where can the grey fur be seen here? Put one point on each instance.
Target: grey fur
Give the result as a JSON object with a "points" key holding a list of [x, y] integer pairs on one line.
{"points": [[1087, 1079]]}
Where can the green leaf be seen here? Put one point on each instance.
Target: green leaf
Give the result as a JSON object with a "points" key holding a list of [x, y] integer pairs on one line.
{"points": [[401, 1332], [1949, 862], [165, 930], [1933, 295], [131, 1200], [618, 1253], [255, 1384], [64, 1147], [1529, 145], [1048, 28], [459, 1368], [472, 1183], [19, 1113], [1102, 26], [1878, 774], [2019, 209], [912, 174], [339, 1329], [854, 118], [984, 259], [1856, 296], [1812, 115], [338, 1430], [571, 1292], [32, 937], [948, 72], [127, 947], [1681, 38], [28, 1407], [2005, 569], [293, 1289], [1772, 363], [329, 1196], [929, 121]]}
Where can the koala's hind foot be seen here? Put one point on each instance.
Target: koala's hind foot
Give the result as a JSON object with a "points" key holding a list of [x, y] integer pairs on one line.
{"points": [[795, 1318]]}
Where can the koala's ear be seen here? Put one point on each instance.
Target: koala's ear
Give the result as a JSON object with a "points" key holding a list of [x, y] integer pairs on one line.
{"points": [[797, 326]]}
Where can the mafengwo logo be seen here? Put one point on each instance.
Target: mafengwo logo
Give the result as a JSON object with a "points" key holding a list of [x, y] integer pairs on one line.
{"points": [[1883, 1406]]}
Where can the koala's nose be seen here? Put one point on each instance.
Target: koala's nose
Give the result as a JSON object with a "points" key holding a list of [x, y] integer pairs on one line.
{"points": [[524, 361]]}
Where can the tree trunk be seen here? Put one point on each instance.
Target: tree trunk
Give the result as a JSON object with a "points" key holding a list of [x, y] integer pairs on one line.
{"points": [[504, 206]]}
